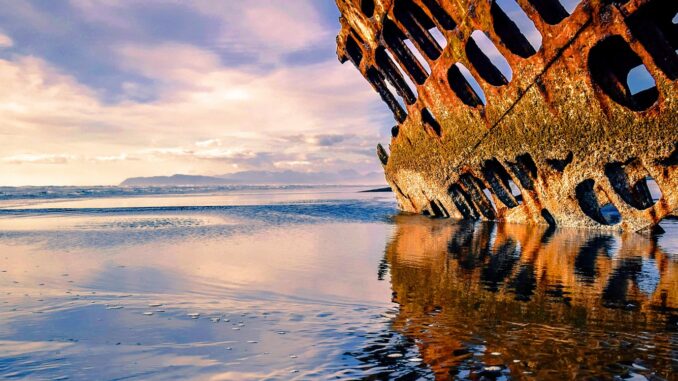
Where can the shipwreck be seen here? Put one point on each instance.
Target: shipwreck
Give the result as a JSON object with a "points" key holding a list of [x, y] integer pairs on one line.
{"points": [[525, 111]]}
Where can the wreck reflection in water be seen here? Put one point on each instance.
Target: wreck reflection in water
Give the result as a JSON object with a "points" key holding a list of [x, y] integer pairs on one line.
{"points": [[501, 300]]}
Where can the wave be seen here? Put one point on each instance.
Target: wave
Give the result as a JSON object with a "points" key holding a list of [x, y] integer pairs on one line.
{"points": [[337, 210], [73, 192]]}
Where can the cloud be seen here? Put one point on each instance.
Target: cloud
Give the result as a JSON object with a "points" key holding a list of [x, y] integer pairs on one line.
{"points": [[38, 159], [266, 29], [321, 140], [187, 109], [225, 154], [112, 13], [209, 143], [199, 100], [168, 63], [6, 41], [120, 157], [260, 30], [328, 140]]}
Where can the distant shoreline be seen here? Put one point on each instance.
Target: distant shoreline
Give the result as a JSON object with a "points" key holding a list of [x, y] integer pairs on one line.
{"points": [[260, 178], [385, 190]]}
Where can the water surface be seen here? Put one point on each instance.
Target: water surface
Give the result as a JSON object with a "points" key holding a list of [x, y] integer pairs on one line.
{"points": [[321, 283]]}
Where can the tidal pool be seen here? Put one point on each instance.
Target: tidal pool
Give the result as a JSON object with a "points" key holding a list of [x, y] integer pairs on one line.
{"points": [[324, 283]]}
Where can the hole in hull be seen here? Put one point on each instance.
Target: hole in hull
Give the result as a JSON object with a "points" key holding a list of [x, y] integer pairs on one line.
{"points": [[439, 37], [355, 53], [377, 81], [429, 120], [546, 215], [395, 130], [611, 214], [515, 191], [639, 79], [570, 5], [441, 16], [437, 209], [655, 192], [367, 7], [417, 23], [394, 92], [474, 187], [637, 195], [394, 39], [394, 76], [515, 29], [654, 25], [463, 202], [588, 202], [403, 73], [496, 175], [417, 55], [551, 11], [466, 87], [489, 195], [610, 63], [525, 170], [488, 61]]}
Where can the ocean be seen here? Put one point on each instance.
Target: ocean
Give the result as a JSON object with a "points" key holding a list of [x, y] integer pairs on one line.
{"points": [[320, 282]]}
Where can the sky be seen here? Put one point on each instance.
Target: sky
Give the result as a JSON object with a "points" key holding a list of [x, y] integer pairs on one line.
{"points": [[95, 91]]}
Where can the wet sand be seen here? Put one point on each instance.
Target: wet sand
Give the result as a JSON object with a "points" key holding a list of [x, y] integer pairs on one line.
{"points": [[323, 283]]}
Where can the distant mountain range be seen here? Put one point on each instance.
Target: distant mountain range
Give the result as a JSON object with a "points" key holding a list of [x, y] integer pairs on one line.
{"points": [[262, 177]]}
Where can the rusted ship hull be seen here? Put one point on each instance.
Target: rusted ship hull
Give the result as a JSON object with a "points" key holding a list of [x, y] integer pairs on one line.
{"points": [[558, 143]]}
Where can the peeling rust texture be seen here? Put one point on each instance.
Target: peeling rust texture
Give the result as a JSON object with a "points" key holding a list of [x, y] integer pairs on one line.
{"points": [[564, 141]]}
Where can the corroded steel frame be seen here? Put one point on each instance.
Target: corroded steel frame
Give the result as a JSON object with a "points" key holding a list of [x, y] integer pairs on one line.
{"points": [[563, 131]]}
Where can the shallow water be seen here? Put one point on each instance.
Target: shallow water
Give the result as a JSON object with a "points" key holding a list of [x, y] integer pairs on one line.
{"points": [[323, 283]]}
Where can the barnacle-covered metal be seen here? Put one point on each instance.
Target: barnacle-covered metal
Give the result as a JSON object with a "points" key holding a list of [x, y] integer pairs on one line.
{"points": [[490, 126]]}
